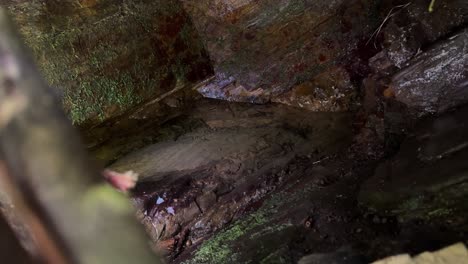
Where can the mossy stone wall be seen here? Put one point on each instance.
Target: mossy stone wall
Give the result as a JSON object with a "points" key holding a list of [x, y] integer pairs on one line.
{"points": [[106, 56]]}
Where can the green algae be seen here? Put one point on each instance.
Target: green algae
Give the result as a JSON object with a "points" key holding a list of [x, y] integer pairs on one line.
{"points": [[222, 247]]}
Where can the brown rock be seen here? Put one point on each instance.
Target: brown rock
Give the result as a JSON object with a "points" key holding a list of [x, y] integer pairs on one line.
{"points": [[283, 51], [389, 93], [206, 201]]}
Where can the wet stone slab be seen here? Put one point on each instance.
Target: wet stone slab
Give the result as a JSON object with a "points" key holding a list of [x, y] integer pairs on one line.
{"points": [[200, 182]]}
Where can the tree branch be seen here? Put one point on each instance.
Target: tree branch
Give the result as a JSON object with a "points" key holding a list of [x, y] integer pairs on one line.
{"points": [[83, 219]]}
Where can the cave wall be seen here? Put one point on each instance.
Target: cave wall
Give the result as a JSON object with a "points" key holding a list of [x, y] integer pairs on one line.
{"points": [[299, 52], [106, 56]]}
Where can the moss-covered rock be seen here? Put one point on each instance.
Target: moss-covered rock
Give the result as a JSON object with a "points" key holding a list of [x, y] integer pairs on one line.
{"points": [[106, 56], [255, 234]]}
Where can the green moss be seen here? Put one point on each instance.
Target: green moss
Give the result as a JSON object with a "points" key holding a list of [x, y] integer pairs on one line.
{"points": [[434, 203], [440, 212], [217, 249], [92, 97], [221, 248], [108, 58]]}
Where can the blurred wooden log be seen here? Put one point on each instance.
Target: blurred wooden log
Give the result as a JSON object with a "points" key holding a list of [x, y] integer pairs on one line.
{"points": [[73, 215], [11, 251], [11, 213]]}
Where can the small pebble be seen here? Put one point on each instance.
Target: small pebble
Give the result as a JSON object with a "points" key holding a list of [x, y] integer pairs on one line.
{"points": [[188, 243], [159, 200]]}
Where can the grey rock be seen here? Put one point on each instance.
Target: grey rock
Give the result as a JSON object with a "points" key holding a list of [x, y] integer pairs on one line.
{"points": [[435, 80]]}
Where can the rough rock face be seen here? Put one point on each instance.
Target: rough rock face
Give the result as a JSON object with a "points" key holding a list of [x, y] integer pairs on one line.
{"points": [[427, 179], [437, 79], [284, 51], [106, 56], [412, 28], [423, 57], [198, 183]]}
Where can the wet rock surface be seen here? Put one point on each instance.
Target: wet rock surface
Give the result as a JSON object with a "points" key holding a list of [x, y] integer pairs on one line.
{"points": [[435, 80], [426, 180], [413, 73], [273, 184], [313, 55], [311, 211], [252, 184], [205, 179], [226, 182], [411, 29], [147, 124], [292, 52]]}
